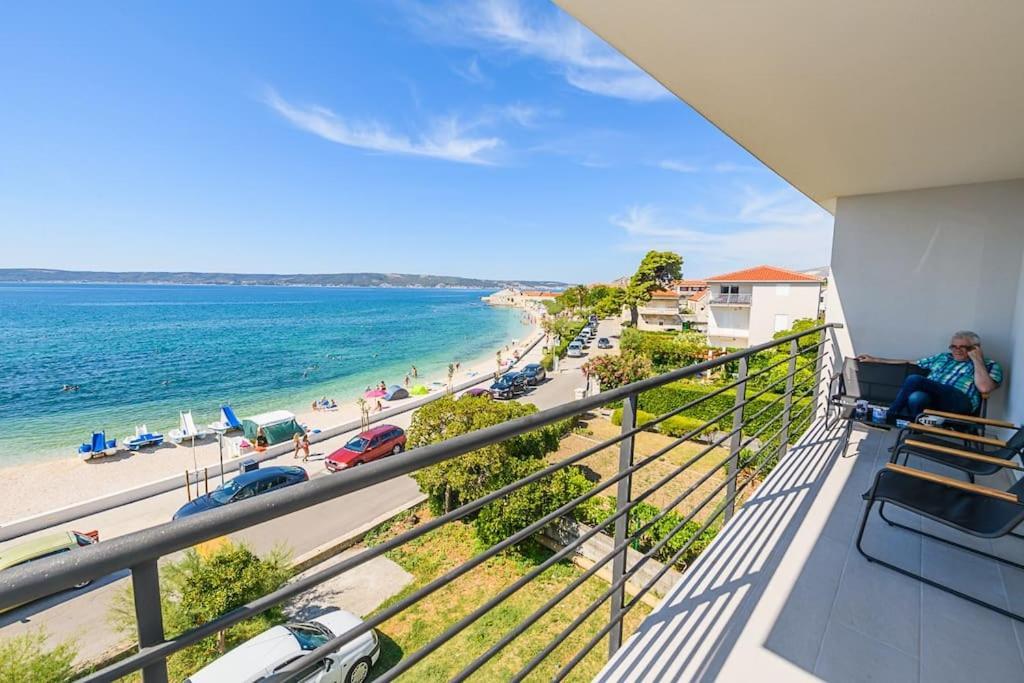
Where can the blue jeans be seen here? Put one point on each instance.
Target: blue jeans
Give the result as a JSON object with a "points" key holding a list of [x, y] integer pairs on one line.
{"points": [[918, 392]]}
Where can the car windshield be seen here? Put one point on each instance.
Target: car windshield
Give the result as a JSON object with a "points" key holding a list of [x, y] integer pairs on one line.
{"points": [[357, 444], [310, 635], [225, 492]]}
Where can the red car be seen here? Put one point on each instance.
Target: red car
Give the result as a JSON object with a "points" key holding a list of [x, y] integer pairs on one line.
{"points": [[370, 445]]}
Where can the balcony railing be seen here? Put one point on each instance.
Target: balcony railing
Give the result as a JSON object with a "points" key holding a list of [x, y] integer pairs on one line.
{"points": [[731, 299], [794, 409]]}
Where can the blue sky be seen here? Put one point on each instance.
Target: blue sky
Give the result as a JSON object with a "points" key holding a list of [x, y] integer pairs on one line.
{"points": [[490, 139]]}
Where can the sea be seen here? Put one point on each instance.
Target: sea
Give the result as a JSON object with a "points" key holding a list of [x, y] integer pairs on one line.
{"points": [[141, 353]]}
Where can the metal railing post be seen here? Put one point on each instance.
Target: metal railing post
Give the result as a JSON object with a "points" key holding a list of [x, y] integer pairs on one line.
{"points": [[819, 367], [787, 410], [148, 616], [735, 440], [622, 496]]}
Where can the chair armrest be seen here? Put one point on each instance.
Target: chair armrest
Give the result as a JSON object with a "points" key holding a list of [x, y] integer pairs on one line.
{"points": [[987, 491], [971, 418], [960, 453], [962, 436]]}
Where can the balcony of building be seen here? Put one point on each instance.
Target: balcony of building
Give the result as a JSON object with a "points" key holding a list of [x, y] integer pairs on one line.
{"points": [[784, 595], [731, 299]]}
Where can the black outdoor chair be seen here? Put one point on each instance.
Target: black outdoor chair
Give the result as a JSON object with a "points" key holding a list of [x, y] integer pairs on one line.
{"points": [[970, 508], [876, 383], [972, 454]]}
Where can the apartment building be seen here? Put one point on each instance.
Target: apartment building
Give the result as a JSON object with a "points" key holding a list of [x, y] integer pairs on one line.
{"points": [[748, 306]]}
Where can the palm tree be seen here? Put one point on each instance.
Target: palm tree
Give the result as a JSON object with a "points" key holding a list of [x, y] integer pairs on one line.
{"points": [[364, 412]]}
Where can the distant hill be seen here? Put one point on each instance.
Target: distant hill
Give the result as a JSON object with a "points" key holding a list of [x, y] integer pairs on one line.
{"points": [[265, 279]]}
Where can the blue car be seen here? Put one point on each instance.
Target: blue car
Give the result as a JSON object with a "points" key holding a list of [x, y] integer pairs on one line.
{"points": [[244, 486]]}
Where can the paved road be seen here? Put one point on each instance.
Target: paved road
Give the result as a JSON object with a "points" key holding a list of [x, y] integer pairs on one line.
{"points": [[82, 615]]}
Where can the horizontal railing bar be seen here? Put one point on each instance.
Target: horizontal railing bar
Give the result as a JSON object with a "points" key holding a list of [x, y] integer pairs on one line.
{"points": [[47, 576], [650, 553]]}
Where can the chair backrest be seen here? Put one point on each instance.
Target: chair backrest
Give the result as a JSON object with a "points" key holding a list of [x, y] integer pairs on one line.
{"points": [[876, 383]]}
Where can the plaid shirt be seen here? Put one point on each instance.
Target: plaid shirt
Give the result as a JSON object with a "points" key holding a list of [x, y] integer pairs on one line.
{"points": [[959, 374]]}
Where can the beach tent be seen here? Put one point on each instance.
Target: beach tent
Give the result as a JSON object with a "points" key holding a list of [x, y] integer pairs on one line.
{"points": [[419, 390], [278, 426], [395, 393]]}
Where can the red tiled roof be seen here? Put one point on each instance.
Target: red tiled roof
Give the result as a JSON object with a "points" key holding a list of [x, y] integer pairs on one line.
{"points": [[697, 296], [764, 274], [663, 294], [689, 283]]}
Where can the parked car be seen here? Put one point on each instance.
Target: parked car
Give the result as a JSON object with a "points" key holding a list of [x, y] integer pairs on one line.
{"points": [[372, 444], [604, 343], [534, 373], [275, 648], [477, 392], [575, 350], [509, 385], [255, 483], [582, 341], [47, 545], [593, 319]]}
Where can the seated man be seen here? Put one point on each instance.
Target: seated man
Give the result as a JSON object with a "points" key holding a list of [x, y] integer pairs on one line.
{"points": [[954, 383]]}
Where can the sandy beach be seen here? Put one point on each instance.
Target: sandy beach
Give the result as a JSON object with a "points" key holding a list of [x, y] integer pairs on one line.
{"points": [[38, 487]]}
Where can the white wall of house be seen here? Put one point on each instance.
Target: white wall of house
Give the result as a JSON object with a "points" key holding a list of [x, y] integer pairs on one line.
{"points": [[775, 307], [772, 307], [909, 268]]}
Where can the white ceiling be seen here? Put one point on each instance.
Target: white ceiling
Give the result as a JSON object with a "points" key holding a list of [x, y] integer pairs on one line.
{"points": [[841, 97]]}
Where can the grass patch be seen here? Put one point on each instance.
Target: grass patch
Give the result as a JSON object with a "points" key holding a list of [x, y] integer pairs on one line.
{"points": [[605, 463], [431, 555]]}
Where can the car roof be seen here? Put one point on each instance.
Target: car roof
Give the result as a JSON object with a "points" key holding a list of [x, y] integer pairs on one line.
{"points": [[264, 651], [265, 472], [376, 431], [532, 366], [41, 545]]}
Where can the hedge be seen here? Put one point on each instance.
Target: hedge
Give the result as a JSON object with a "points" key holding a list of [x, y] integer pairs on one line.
{"points": [[677, 425], [670, 396]]}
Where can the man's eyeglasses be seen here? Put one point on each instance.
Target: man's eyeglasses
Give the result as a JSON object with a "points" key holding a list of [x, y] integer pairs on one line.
{"points": [[960, 347]]}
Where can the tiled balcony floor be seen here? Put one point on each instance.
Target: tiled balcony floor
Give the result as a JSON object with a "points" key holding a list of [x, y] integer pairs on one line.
{"points": [[783, 594]]}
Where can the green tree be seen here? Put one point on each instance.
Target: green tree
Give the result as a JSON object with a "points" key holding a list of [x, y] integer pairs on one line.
{"points": [[26, 657], [475, 474], [205, 585], [524, 506], [656, 271], [615, 371]]}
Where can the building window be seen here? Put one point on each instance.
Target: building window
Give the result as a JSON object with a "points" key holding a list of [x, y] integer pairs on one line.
{"points": [[781, 322], [729, 289]]}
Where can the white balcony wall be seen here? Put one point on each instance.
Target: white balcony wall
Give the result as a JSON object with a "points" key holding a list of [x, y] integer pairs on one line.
{"points": [[909, 268]]}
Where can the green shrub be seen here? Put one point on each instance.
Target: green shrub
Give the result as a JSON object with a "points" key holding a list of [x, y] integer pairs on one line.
{"points": [[26, 657], [599, 508], [666, 350], [615, 371], [506, 516]]}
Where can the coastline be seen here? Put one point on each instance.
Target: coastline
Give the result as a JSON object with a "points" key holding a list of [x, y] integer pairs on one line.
{"points": [[34, 487]]}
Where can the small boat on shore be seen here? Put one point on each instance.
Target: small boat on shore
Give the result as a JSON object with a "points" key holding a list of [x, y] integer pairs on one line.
{"points": [[187, 430], [143, 437], [97, 447]]}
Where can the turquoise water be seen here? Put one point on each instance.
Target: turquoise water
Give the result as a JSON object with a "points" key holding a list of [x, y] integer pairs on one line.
{"points": [[141, 353]]}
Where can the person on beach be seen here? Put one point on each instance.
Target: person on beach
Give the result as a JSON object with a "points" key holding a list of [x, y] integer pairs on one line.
{"points": [[314, 406], [380, 406], [407, 381], [334, 404], [305, 447], [415, 372], [297, 442], [382, 386], [261, 439], [457, 365]]}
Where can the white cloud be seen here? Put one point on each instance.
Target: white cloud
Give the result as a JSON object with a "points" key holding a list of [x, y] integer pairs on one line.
{"points": [[525, 115], [446, 139], [472, 72], [678, 166], [585, 61], [781, 228]]}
